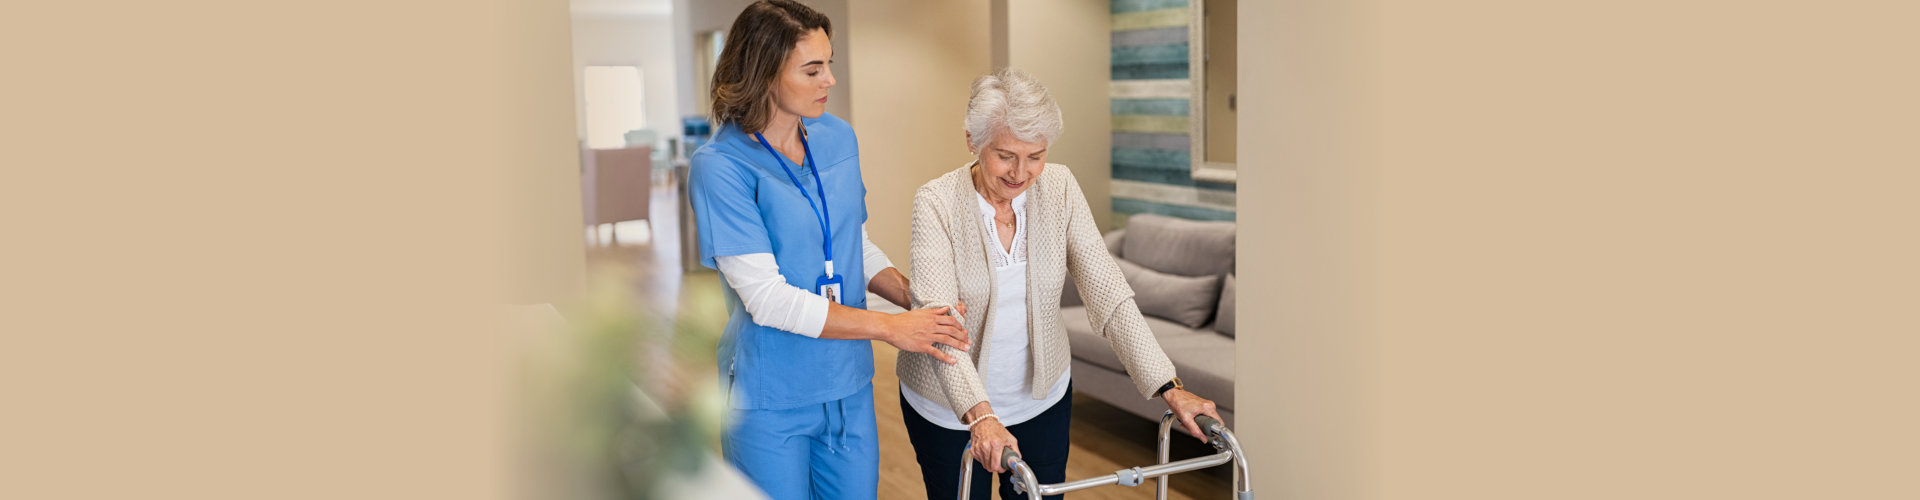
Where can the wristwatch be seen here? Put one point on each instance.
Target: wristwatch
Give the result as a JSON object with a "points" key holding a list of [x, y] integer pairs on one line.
{"points": [[1170, 385]]}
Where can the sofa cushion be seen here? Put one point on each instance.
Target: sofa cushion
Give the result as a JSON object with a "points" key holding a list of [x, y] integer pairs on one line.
{"points": [[1114, 240], [1179, 246], [1089, 347], [1185, 300], [1204, 361], [1223, 316], [1202, 358]]}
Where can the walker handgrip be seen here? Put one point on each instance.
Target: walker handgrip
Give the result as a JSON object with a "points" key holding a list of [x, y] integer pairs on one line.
{"points": [[1208, 424], [1212, 427], [1008, 457]]}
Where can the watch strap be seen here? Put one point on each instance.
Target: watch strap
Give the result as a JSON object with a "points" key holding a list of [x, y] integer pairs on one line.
{"points": [[1170, 385]]}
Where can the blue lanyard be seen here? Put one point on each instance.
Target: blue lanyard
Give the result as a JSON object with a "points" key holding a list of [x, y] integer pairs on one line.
{"points": [[819, 211]]}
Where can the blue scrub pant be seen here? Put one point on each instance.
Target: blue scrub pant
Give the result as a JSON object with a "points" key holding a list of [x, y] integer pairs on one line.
{"points": [[829, 450]]}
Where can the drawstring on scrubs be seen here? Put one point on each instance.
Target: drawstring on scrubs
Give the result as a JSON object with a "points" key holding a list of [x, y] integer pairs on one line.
{"points": [[837, 425]]}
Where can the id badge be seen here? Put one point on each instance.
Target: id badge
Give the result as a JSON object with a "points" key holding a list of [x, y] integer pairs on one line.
{"points": [[829, 287]]}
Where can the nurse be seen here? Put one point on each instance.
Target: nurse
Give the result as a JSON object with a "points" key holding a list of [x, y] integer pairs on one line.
{"points": [[781, 208]]}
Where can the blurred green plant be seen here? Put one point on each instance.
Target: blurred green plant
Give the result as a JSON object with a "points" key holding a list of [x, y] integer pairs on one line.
{"points": [[624, 395]]}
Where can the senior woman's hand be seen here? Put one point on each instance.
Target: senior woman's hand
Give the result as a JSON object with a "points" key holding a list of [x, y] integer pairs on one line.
{"points": [[990, 437], [1186, 405]]}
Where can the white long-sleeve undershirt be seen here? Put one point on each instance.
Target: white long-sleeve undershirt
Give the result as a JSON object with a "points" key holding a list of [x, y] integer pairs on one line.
{"points": [[772, 302]]}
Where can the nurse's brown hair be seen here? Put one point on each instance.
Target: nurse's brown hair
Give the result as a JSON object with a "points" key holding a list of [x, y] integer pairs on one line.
{"points": [[756, 49]]}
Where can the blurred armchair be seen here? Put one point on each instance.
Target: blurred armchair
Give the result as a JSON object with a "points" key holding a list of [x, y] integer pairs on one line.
{"points": [[616, 186]]}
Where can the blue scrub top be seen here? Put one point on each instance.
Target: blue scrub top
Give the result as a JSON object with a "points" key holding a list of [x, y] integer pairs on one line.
{"points": [[744, 203]]}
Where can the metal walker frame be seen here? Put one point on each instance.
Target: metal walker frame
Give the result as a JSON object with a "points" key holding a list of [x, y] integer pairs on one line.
{"points": [[1221, 438]]}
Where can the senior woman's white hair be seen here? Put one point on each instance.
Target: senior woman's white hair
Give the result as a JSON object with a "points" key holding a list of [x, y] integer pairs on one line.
{"points": [[1013, 98]]}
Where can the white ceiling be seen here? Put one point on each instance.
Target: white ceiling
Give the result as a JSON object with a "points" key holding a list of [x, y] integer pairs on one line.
{"points": [[621, 8]]}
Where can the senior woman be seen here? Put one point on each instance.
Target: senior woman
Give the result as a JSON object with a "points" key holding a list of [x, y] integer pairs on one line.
{"points": [[1002, 234]]}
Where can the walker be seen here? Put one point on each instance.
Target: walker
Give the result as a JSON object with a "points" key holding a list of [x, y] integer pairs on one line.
{"points": [[1222, 440]]}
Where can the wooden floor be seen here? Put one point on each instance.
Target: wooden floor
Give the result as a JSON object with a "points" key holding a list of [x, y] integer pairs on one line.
{"points": [[1104, 438]]}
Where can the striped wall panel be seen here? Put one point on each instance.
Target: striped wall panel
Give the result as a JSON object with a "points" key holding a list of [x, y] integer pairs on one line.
{"points": [[1150, 93], [1126, 207]]}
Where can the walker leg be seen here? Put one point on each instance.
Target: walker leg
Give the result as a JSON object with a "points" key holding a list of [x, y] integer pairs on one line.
{"points": [[1010, 461], [966, 471], [1166, 428]]}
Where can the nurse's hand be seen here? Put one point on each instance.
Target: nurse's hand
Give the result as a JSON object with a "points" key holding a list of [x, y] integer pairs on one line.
{"points": [[922, 330], [990, 437]]}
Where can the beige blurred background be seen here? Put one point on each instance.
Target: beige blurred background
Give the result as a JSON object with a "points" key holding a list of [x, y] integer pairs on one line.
{"points": [[1502, 249]]}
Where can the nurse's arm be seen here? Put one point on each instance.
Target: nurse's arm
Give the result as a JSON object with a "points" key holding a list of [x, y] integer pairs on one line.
{"points": [[891, 285], [887, 282], [882, 278], [773, 302], [918, 330]]}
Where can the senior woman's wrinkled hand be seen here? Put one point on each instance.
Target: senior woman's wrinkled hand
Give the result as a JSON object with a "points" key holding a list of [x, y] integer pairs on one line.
{"points": [[990, 438], [921, 330], [1186, 405]]}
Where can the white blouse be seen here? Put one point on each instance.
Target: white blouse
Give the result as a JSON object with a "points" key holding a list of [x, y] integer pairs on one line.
{"points": [[1004, 370]]}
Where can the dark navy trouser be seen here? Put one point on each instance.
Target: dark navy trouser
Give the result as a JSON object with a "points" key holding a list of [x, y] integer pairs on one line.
{"points": [[1043, 445]]}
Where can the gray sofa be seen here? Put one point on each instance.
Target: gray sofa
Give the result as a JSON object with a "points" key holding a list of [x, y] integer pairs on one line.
{"points": [[1182, 275]]}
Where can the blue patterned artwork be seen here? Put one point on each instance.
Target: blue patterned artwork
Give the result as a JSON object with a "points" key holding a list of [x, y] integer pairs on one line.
{"points": [[1150, 92]]}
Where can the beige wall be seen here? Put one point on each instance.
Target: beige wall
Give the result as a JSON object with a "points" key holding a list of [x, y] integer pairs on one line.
{"points": [[1512, 253], [646, 42], [257, 250], [1303, 368], [1067, 44], [690, 19], [915, 61], [1504, 252]]}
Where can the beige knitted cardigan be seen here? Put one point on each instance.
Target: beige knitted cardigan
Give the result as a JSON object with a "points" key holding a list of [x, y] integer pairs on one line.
{"points": [[950, 262]]}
